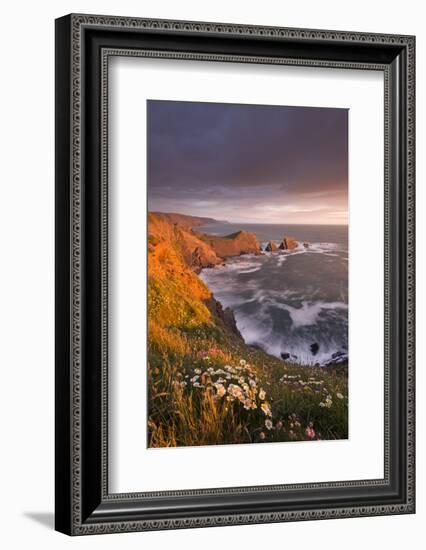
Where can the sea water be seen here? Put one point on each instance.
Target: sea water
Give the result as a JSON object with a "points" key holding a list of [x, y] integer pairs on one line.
{"points": [[292, 304]]}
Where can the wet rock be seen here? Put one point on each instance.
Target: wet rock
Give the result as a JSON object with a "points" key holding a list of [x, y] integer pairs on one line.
{"points": [[271, 247], [285, 356], [288, 243], [255, 346], [337, 358], [225, 315], [306, 245], [314, 348]]}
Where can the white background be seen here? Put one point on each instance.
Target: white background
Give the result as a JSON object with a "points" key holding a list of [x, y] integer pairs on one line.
{"points": [[26, 300], [132, 81]]}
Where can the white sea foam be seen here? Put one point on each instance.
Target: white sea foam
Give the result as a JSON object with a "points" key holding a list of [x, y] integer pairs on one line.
{"points": [[282, 310], [252, 270], [309, 313], [259, 331]]}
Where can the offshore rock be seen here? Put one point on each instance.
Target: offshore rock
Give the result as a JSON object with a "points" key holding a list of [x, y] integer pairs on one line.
{"points": [[271, 247], [288, 243]]}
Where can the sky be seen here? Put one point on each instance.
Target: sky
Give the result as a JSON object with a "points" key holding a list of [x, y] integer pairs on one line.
{"points": [[248, 163]]}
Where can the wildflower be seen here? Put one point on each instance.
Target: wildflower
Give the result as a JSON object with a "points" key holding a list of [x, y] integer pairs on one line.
{"points": [[194, 379], [220, 389], [262, 394], [236, 392], [252, 382], [266, 409], [310, 432], [241, 380], [197, 371], [243, 363], [339, 395], [262, 435], [322, 404], [268, 424], [248, 404]]}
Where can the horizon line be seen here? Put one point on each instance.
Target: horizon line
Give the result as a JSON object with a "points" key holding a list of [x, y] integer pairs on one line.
{"points": [[279, 223], [243, 222]]}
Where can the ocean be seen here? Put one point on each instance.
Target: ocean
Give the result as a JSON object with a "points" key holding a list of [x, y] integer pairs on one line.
{"points": [[292, 304]]}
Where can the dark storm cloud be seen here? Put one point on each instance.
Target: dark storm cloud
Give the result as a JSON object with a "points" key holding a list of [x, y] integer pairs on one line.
{"points": [[248, 162]]}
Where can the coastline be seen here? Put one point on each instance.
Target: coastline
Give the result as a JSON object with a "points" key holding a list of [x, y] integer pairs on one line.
{"points": [[302, 339], [204, 251], [206, 385]]}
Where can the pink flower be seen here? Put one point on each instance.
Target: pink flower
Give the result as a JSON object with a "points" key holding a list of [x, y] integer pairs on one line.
{"points": [[310, 432]]}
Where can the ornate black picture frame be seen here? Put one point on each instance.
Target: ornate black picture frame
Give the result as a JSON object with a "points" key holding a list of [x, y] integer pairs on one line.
{"points": [[84, 44]]}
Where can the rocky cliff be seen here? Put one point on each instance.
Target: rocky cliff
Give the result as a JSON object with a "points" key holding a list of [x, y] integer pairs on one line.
{"points": [[183, 220], [199, 250], [195, 252], [235, 244], [176, 295]]}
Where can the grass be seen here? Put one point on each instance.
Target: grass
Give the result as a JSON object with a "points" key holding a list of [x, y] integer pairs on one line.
{"points": [[206, 386]]}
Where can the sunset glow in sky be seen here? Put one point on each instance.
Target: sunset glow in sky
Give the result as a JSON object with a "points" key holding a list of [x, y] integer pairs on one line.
{"points": [[248, 163]]}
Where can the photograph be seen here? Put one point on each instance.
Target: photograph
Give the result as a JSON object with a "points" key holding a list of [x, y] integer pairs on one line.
{"points": [[247, 279]]}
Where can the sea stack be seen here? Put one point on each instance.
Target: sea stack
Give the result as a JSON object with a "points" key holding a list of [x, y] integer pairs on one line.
{"points": [[271, 247], [288, 243]]}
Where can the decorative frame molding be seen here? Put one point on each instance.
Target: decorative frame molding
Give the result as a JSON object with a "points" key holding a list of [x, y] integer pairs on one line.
{"points": [[84, 43]]}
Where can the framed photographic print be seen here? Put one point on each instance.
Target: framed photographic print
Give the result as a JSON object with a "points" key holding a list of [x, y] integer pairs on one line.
{"points": [[234, 274]]}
